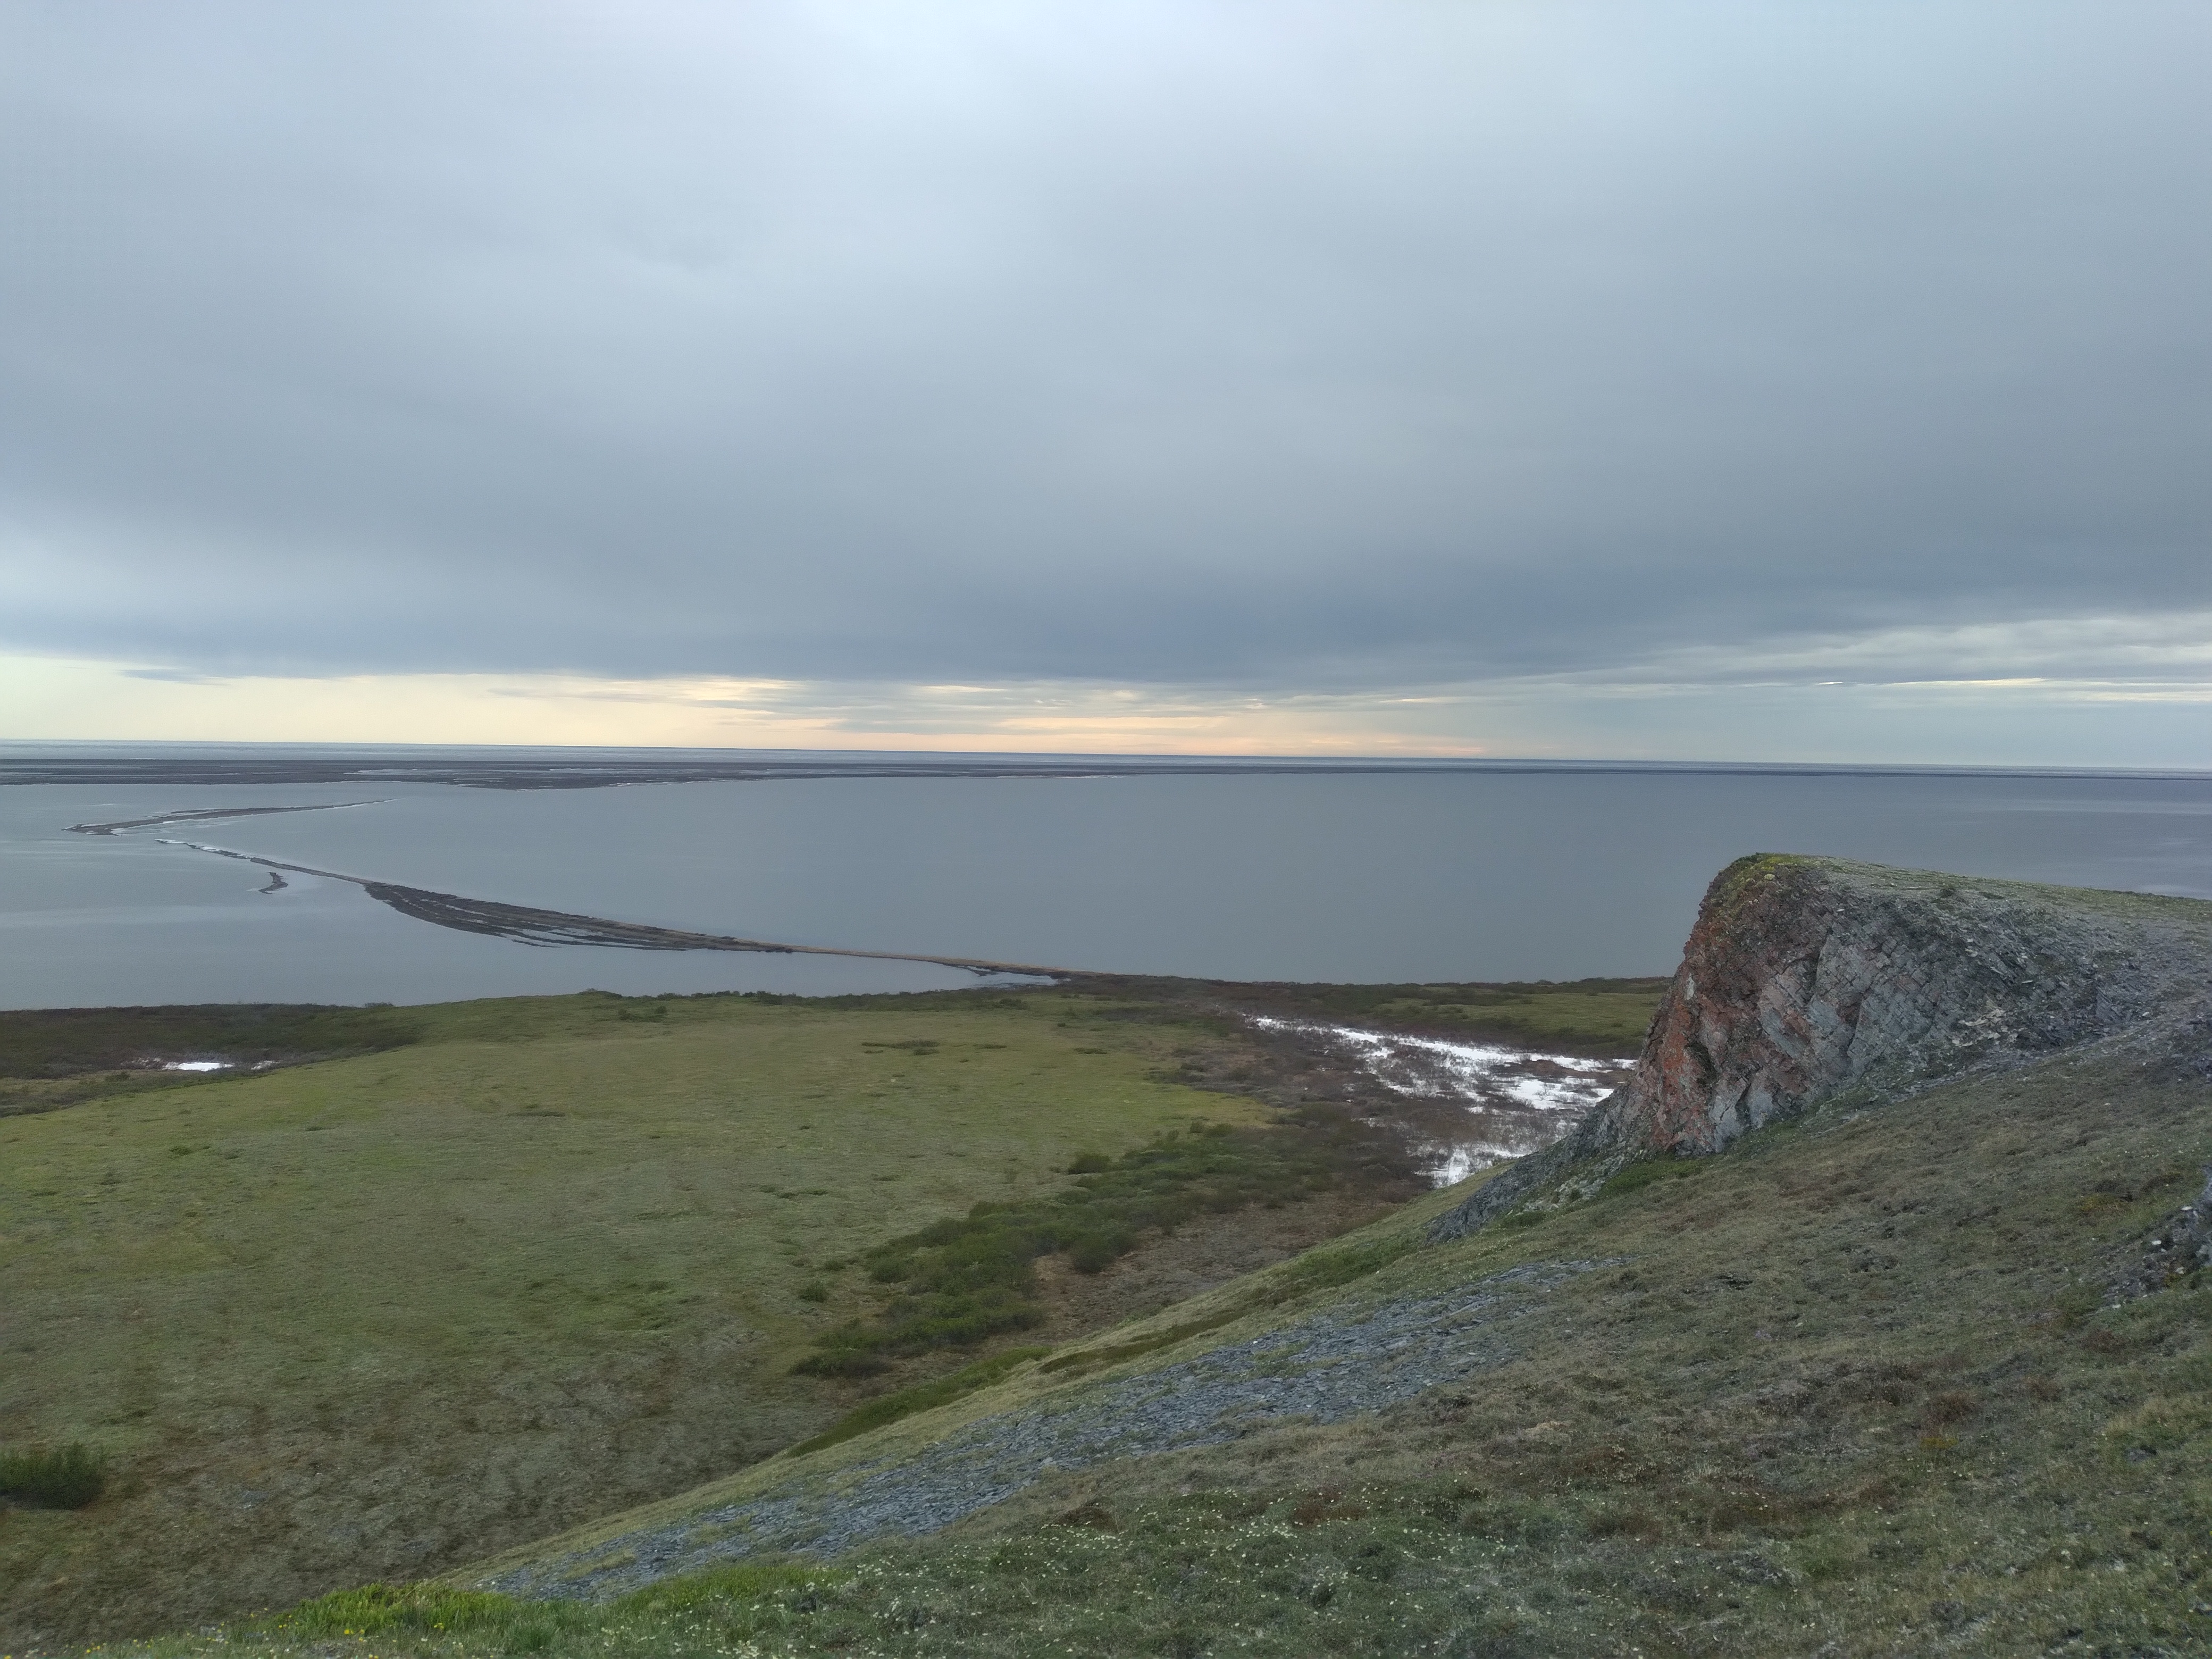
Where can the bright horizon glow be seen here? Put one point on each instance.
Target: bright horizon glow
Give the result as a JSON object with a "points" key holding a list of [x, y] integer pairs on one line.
{"points": [[2158, 724]]}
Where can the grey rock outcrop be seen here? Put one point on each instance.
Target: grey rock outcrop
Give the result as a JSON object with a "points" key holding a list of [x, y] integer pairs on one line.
{"points": [[1806, 980]]}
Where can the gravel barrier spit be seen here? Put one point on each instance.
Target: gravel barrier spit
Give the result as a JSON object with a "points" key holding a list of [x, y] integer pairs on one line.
{"points": [[1323, 1369]]}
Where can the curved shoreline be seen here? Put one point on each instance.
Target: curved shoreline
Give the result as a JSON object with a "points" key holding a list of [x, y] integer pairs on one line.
{"points": [[525, 924]]}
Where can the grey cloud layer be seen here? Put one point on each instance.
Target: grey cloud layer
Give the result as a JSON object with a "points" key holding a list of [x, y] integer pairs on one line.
{"points": [[1322, 345]]}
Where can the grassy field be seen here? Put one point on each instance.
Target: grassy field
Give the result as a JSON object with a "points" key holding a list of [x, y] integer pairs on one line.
{"points": [[359, 1317], [1853, 1388], [440, 1280]]}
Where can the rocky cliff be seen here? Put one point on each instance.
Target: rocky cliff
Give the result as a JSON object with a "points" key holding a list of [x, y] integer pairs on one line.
{"points": [[1806, 980]]}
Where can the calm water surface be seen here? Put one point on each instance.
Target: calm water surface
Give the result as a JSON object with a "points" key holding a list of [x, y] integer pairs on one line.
{"points": [[1436, 876]]}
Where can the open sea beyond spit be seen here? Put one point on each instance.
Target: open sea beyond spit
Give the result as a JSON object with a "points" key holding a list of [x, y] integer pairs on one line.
{"points": [[1373, 871]]}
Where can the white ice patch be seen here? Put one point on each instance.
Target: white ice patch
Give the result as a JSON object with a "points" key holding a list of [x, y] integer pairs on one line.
{"points": [[195, 1065], [1478, 1073], [1481, 1076]]}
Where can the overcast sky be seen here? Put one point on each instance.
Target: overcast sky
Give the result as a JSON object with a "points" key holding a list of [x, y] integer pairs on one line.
{"points": [[1818, 381]]}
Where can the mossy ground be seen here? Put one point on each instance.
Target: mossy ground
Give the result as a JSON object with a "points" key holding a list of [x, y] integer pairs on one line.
{"points": [[1853, 1390], [358, 1318], [449, 1279]]}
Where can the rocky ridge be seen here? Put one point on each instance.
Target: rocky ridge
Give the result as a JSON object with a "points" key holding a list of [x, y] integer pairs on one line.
{"points": [[1809, 980]]}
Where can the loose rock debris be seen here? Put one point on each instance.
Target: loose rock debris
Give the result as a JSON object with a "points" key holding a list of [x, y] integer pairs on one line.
{"points": [[1323, 1369]]}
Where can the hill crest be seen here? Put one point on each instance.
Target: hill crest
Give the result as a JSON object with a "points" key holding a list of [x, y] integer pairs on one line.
{"points": [[1808, 980]]}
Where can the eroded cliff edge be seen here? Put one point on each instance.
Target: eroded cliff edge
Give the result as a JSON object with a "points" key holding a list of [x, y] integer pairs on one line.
{"points": [[1807, 981]]}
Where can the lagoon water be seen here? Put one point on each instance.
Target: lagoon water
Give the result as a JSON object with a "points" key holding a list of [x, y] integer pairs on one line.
{"points": [[1436, 875]]}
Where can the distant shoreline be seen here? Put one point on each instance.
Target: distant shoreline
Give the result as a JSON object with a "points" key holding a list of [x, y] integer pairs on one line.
{"points": [[195, 765]]}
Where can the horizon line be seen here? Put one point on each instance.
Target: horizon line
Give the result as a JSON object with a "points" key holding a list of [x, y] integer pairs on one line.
{"points": [[23, 749]]}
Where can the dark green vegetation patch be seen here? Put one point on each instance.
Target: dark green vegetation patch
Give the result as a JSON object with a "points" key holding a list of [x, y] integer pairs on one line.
{"points": [[1325, 1268], [66, 1478], [65, 1042], [967, 1279], [1637, 1176], [921, 1397], [52, 1057], [433, 1618]]}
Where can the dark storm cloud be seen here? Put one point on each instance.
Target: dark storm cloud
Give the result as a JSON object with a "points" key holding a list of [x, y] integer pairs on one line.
{"points": [[1269, 343]]}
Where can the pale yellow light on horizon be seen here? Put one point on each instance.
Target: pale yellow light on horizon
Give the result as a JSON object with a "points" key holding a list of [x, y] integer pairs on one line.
{"points": [[62, 700], [1979, 720]]}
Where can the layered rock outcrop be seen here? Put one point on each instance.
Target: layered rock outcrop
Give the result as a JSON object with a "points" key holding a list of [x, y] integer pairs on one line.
{"points": [[1806, 978], [1809, 979]]}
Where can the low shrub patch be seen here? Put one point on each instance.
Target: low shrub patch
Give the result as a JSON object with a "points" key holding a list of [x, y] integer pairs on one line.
{"points": [[382, 1609], [1085, 1359], [1638, 1176], [68, 1478], [1327, 1268], [739, 1582], [973, 1276], [48, 1042], [920, 1398]]}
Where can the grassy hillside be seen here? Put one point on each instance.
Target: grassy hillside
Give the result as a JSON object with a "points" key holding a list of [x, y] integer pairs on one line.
{"points": [[440, 1280], [548, 1258], [1858, 1386]]}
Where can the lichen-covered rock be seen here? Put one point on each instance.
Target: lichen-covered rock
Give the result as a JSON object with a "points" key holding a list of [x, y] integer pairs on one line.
{"points": [[1807, 979], [2181, 1244]]}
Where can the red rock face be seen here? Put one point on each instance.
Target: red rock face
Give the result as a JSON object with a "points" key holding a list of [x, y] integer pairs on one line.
{"points": [[1804, 978], [1808, 980], [1733, 1041]]}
